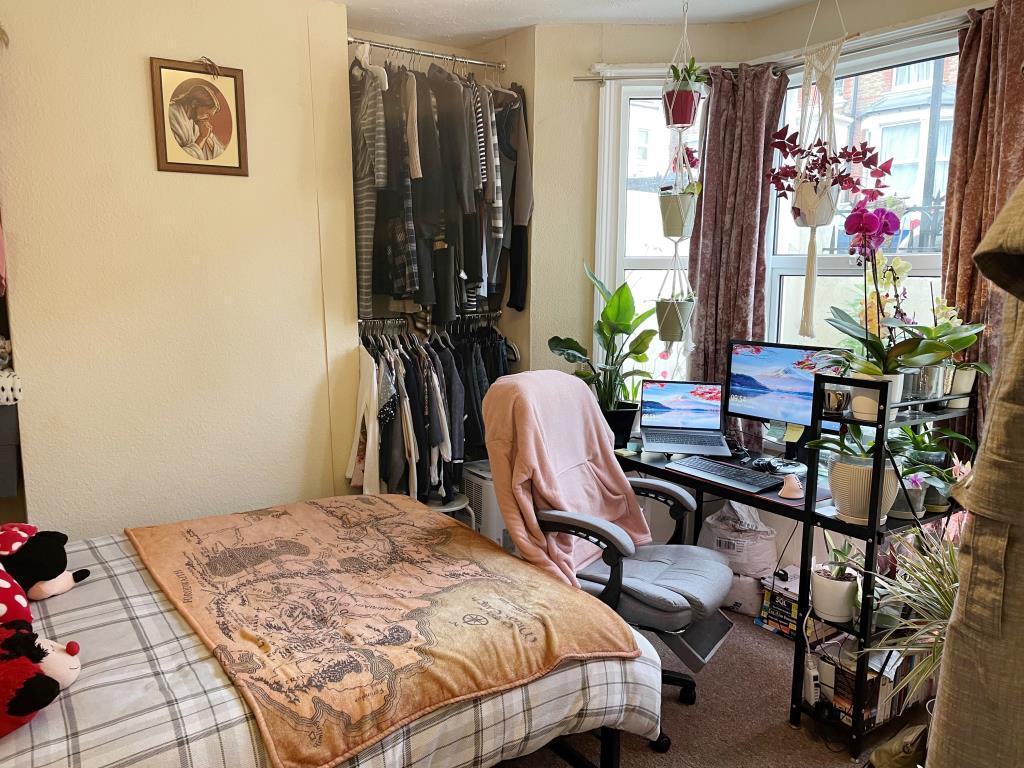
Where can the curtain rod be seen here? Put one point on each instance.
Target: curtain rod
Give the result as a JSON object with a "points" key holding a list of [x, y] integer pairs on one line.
{"points": [[499, 65], [863, 45]]}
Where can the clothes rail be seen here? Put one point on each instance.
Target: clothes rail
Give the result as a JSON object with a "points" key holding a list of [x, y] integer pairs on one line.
{"points": [[499, 65], [384, 325]]}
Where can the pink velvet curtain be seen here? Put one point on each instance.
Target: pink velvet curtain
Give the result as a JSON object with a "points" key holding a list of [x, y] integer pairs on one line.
{"points": [[986, 163], [727, 248]]}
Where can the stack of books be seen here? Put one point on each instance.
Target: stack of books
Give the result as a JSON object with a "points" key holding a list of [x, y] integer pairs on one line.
{"points": [[779, 610], [885, 672]]}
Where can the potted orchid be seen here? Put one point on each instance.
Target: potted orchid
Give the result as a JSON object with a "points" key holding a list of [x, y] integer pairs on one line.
{"points": [[965, 372], [682, 94]]}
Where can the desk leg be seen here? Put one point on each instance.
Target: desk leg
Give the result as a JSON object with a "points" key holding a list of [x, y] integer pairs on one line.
{"points": [[698, 516], [803, 608]]}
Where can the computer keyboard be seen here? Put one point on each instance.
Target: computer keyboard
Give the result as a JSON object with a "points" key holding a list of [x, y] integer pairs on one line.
{"points": [[675, 437], [743, 478]]}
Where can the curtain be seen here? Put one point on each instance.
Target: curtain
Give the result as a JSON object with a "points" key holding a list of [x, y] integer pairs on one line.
{"points": [[986, 163], [727, 247]]}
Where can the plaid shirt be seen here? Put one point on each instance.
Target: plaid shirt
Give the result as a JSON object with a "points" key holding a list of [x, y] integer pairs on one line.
{"points": [[150, 693]]}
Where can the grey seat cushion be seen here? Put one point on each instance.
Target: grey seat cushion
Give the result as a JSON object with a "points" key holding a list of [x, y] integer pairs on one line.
{"points": [[665, 586]]}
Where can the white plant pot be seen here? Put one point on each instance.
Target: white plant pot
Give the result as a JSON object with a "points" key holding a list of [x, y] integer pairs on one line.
{"points": [[864, 403], [831, 599], [849, 478], [678, 212], [963, 384], [814, 205]]}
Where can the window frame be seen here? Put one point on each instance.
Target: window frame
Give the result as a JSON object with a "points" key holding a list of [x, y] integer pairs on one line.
{"points": [[780, 265]]}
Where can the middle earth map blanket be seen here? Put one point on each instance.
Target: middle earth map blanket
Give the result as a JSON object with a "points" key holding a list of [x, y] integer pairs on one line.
{"points": [[342, 619]]}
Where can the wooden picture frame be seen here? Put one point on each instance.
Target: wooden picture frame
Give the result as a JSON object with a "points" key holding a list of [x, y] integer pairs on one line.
{"points": [[199, 118]]}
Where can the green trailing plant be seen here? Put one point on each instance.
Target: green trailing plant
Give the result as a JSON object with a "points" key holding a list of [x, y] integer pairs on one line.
{"points": [[841, 558], [921, 597], [687, 76], [879, 358], [620, 339]]}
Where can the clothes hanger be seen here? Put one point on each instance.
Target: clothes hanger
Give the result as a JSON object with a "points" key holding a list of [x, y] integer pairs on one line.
{"points": [[379, 73]]}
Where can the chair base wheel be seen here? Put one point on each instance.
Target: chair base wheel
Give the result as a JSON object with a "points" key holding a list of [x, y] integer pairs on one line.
{"points": [[688, 695], [662, 744]]}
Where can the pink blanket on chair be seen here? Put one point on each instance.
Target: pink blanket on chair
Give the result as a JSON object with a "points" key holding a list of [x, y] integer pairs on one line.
{"points": [[551, 448]]}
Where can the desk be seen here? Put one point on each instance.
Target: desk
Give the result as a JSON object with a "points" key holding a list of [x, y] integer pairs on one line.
{"points": [[656, 465]]}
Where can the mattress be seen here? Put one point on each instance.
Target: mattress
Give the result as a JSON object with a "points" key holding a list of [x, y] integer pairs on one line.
{"points": [[151, 694]]}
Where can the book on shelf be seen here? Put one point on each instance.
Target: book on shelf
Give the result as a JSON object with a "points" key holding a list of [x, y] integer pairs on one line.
{"points": [[886, 670]]}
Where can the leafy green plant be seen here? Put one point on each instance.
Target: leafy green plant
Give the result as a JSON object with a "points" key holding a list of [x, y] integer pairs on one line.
{"points": [[687, 75], [907, 441], [921, 595], [840, 558], [854, 446], [617, 335], [879, 359], [974, 365], [956, 337]]}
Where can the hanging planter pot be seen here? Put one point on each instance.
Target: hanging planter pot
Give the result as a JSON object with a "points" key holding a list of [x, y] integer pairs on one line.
{"points": [[814, 203], [678, 212], [674, 318], [681, 102]]}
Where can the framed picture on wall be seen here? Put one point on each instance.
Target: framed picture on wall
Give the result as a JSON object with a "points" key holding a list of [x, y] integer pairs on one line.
{"points": [[199, 118]]}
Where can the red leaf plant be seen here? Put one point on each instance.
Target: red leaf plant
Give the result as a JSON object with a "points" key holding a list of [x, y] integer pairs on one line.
{"points": [[846, 168]]}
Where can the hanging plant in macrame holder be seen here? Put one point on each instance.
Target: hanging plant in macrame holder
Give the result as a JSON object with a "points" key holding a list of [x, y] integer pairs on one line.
{"points": [[684, 89], [678, 211], [814, 166]]}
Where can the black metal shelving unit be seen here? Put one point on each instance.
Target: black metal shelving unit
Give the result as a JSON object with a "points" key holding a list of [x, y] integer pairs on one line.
{"points": [[873, 535]]}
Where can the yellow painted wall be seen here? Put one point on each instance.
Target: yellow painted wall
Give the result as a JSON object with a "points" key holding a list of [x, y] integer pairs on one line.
{"points": [[170, 328]]}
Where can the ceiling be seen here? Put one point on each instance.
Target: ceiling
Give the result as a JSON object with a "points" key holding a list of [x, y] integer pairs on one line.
{"points": [[466, 23]]}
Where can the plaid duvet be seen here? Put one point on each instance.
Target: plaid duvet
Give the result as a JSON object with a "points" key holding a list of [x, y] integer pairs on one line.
{"points": [[151, 694]]}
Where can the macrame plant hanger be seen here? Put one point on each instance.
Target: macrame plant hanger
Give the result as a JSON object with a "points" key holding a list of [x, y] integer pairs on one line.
{"points": [[678, 210], [816, 203]]}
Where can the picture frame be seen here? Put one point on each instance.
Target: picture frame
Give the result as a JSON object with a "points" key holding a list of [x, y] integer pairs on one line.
{"points": [[199, 118]]}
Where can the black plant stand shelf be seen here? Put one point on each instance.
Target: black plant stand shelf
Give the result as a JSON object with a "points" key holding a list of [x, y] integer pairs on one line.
{"points": [[873, 535]]}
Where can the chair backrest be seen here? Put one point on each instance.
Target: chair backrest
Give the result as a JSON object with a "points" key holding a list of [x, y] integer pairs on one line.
{"points": [[551, 448]]}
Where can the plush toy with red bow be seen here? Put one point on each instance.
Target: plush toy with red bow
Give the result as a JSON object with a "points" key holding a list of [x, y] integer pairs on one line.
{"points": [[33, 670], [37, 560]]}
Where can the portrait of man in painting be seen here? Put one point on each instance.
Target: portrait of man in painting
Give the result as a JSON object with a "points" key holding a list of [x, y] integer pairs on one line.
{"points": [[199, 115], [200, 119]]}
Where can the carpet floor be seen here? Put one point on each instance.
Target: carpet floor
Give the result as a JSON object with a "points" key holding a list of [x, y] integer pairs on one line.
{"points": [[740, 719]]}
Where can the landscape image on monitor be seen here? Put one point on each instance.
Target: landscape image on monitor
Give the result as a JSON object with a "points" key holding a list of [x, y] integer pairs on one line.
{"points": [[772, 383], [688, 406]]}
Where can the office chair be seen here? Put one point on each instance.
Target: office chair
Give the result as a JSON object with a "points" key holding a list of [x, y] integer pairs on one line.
{"points": [[671, 590]]}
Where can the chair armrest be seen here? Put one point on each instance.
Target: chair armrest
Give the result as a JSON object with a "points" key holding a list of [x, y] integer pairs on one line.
{"points": [[613, 541], [679, 502], [603, 533]]}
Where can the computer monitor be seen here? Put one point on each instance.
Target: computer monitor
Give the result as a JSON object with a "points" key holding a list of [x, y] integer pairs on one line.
{"points": [[770, 382], [680, 405]]}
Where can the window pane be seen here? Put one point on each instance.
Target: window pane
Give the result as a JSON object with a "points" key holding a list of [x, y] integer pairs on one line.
{"points": [[845, 292], [651, 147], [900, 123], [666, 361]]}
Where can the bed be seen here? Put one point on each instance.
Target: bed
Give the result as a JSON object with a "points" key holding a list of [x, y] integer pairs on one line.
{"points": [[151, 694]]}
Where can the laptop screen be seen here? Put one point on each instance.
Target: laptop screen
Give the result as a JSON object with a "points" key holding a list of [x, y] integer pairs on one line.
{"points": [[681, 405]]}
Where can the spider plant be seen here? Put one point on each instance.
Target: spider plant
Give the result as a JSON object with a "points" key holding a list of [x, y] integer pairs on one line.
{"points": [[922, 594]]}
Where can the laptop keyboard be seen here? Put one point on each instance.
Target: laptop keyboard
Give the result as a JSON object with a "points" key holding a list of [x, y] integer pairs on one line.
{"points": [[675, 437]]}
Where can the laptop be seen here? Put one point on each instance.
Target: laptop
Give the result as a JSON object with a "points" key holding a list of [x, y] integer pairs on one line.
{"points": [[682, 417]]}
